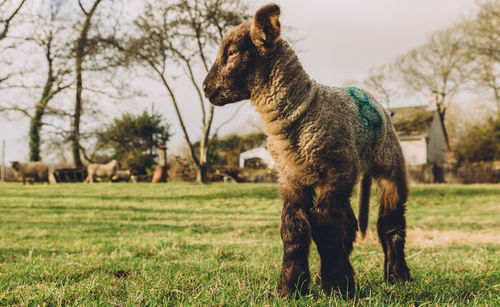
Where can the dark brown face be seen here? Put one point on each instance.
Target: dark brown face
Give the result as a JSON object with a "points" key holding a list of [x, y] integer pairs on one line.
{"points": [[15, 165], [240, 53], [227, 80]]}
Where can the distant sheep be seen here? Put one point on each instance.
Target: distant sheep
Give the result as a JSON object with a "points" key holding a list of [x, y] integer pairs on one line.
{"points": [[107, 170], [36, 171], [122, 175], [322, 139]]}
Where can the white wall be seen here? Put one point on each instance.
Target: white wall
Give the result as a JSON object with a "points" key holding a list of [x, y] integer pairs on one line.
{"points": [[415, 151]]}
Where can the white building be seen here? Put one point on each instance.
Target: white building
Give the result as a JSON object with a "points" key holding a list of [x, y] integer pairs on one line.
{"points": [[422, 135], [259, 153]]}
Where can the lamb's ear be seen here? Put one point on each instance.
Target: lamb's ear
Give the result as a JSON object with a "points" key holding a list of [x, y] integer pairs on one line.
{"points": [[266, 29]]}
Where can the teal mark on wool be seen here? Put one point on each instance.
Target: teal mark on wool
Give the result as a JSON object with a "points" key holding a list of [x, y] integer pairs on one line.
{"points": [[370, 116]]}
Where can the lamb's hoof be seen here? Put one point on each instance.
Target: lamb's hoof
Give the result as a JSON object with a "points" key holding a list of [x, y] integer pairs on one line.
{"points": [[291, 291], [345, 286], [400, 273], [345, 291]]}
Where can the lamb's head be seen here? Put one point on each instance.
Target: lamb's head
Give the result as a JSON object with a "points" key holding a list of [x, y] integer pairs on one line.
{"points": [[243, 53], [16, 165]]}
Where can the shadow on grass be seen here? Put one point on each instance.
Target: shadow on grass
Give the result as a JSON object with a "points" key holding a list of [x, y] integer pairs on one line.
{"points": [[268, 193], [446, 190], [109, 229], [105, 208]]}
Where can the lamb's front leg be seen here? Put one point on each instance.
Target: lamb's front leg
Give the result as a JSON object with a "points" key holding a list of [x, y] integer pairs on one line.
{"points": [[296, 237], [334, 230]]}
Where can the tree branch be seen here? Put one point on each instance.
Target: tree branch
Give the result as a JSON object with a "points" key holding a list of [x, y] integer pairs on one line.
{"points": [[7, 21], [82, 8], [107, 94], [179, 116], [16, 109], [84, 153], [193, 81], [230, 119]]}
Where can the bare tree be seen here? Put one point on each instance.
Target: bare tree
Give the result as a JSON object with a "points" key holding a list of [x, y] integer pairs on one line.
{"points": [[483, 48], [437, 69], [488, 28], [48, 35], [57, 56], [82, 44], [11, 10], [177, 36], [381, 83]]}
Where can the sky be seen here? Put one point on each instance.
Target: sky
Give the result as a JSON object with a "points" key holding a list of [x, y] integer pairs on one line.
{"points": [[339, 40]]}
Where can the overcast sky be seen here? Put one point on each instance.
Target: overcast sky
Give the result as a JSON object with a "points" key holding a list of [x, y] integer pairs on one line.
{"points": [[340, 40]]}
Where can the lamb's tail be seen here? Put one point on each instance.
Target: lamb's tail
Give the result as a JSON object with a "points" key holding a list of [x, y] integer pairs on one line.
{"points": [[364, 203]]}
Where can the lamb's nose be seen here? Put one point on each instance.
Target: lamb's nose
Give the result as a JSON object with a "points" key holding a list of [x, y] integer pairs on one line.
{"points": [[205, 89]]}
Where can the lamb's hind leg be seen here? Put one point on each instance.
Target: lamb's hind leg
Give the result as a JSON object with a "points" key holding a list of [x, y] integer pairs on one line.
{"points": [[334, 230], [296, 237], [391, 226]]}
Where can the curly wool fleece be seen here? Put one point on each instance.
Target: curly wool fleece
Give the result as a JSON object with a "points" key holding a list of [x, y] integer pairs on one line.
{"points": [[312, 127]]}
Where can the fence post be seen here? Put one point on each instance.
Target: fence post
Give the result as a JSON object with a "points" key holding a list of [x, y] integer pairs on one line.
{"points": [[3, 161], [160, 174]]}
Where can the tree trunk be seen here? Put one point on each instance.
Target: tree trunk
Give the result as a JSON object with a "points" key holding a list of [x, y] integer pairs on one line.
{"points": [[202, 169], [438, 170], [497, 100], [441, 108], [75, 128], [36, 121], [80, 54], [438, 173], [34, 135], [201, 173], [36, 127]]}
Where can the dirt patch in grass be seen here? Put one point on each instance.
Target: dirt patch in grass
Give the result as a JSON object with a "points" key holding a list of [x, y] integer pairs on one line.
{"points": [[434, 238]]}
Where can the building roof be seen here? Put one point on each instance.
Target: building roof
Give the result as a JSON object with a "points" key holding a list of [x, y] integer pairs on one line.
{"points": [[412, 121]]}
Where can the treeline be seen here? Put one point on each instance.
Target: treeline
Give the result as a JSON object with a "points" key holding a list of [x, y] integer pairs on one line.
{"points": [[68, 66], [462, 58]]}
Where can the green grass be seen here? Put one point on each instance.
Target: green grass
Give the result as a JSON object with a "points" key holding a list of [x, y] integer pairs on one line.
{"points": [[215, 245]]}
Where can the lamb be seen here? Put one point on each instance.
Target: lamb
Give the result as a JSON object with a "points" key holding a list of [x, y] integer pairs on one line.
{"points": [[107, 170], [36, 171], [323, 140]]}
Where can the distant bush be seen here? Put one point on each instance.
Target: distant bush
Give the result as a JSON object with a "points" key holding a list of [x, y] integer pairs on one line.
{"points": [[225, 151], [479, 142], [133, 140]]}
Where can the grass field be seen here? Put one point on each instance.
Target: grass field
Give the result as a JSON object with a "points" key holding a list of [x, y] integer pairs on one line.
{"points": [[217, 245]]}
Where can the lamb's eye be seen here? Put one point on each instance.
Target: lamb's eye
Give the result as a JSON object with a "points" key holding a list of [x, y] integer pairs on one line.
{"points": [[233, 51]]}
